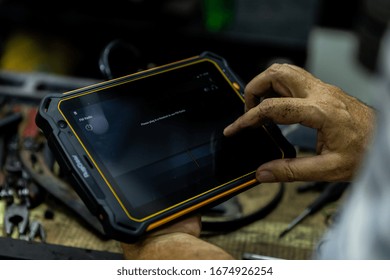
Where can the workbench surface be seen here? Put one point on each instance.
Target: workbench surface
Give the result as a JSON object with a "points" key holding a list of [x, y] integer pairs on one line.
{"points": [[260, 237]]}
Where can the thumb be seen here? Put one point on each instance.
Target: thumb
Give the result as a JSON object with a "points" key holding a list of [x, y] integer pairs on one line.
{"points": [[316, 168]]}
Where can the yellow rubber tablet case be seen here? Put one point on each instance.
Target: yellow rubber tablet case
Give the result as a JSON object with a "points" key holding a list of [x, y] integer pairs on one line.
{"points": [[147, 148]]}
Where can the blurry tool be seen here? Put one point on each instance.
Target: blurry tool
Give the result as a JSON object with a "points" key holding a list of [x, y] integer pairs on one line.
{"points": [[332, 192], [257, 257], [29, 52], [9, 121], [7, 125], [36, 230], [58, 188], [120, 58], [26, 87], [16, 216]]}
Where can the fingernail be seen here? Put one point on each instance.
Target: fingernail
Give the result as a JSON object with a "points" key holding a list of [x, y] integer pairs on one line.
{"points": [[266, 176]]}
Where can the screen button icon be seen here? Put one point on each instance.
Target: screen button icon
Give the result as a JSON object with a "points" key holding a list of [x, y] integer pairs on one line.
{"points": [[89, 127]]}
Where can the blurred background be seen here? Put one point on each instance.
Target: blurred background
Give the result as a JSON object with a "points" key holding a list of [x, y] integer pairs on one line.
{"points": [[336, 40], [56, 46]]}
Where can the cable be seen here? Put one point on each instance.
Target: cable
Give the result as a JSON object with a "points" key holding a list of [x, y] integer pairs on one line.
{"points": [[119, 58], [234, 224]]}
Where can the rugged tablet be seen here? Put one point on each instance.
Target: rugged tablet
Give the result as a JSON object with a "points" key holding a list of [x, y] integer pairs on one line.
{"points": [[147, 148]]}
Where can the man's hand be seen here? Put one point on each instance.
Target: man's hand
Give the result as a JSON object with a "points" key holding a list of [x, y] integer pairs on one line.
{"points": [[344, 127], [344, 124], [178, 241]]}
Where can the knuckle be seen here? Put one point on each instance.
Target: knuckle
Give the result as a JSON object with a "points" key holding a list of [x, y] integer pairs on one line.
{"points": [[284, 172], [289, 171], [276, 68], [267, 108], [266, 103]]}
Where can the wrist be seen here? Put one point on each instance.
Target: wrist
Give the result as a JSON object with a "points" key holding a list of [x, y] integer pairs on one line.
{"points": [[173, 246]]}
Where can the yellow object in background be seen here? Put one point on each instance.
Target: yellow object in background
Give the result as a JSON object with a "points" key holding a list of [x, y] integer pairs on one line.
{"points": [[25, 52]]}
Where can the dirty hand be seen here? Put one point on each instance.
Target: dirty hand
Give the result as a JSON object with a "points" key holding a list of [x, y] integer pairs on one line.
{"points": [[344, 124], [177, 241]]}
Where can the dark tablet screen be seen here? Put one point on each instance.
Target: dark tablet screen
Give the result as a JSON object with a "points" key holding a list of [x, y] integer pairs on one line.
{"points": [[158, 139]]}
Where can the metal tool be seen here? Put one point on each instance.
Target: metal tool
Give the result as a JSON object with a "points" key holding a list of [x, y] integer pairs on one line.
{"points": [[7, 193], [257, 257], [17, 188], [331, 193], [36, 231], [59, 189], [16, 215]]}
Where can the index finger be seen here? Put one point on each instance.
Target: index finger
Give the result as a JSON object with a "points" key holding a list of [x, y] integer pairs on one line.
{"points": [[280, 111]]}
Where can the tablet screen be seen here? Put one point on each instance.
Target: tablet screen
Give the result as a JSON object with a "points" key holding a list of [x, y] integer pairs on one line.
{"points": [[158, 139]]}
